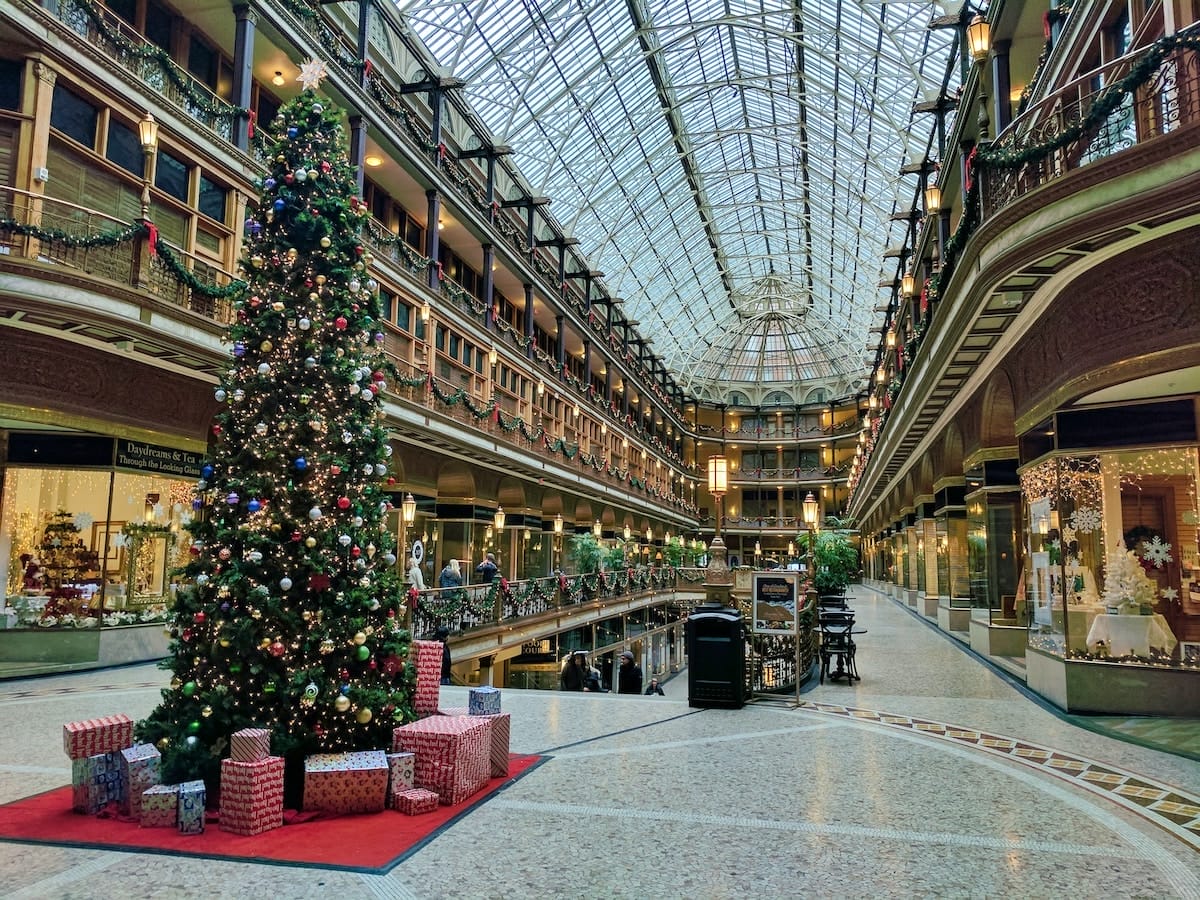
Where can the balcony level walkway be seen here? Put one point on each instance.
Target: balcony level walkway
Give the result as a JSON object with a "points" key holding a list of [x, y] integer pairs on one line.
{"points": [[942, 781]]}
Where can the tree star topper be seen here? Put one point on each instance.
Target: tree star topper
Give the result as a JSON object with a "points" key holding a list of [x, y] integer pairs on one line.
{"points": [[311, 74]]}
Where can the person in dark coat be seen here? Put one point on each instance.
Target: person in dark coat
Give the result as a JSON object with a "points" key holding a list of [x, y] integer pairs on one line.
{"points": [[443, 634], [574, 672], [654, 688], [487, 569], [629, 678], [451, 575]]}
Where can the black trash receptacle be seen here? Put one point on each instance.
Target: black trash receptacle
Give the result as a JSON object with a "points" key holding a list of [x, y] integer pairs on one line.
{"points": [[716, 646]]}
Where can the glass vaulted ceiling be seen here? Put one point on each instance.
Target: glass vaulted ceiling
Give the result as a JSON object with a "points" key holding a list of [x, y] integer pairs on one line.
{"points": [[731, 166]]}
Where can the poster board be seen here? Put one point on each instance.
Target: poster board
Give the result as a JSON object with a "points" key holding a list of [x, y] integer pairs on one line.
{"points": [[775, 596]]}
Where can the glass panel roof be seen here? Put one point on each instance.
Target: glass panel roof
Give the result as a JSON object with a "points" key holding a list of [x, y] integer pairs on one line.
{"points": [[730, 165]]}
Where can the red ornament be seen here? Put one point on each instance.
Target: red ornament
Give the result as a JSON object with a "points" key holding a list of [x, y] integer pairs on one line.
{"points": [[296, 535], [344, 674], [277, 648], [377, 376], [343, 502], [340, 323], [356, 552], [255, 301], [216, 429], [198, 618], [335, 469], [194, 549], [372, 665], [354, 306], [359, 250], [187, 634], [289, 177], [391, 480]]}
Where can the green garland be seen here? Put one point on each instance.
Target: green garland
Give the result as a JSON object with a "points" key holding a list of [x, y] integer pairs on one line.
{"points": [[55, 236], [146, 52], [187, 277]]}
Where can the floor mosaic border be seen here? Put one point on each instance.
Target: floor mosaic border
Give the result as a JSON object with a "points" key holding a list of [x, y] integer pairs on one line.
{"points": [[1164, 805]]}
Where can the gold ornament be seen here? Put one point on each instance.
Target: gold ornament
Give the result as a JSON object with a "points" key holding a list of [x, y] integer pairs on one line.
{"points": [[327, 646], [342, 703], [364, 716], [310, 542], [266, 346], [360, 638], [326, 243], [206, 711]]}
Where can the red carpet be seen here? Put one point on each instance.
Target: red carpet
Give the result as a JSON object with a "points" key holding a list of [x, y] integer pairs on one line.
{"points": [[368, 843]]}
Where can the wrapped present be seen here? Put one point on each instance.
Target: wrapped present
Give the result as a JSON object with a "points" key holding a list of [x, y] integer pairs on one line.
{"points": [[191, 807], [250, 744], [415, 801], [483, 701], [344, 783], [160, 806], [251, 795], [95, 782], [452, 753], [92, 736], [428, 655], [140, 768], [501, 738], [401, 771]]}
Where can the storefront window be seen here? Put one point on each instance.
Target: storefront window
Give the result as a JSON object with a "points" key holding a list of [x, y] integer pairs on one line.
{"points": [[1113, 536], [83, 548]]}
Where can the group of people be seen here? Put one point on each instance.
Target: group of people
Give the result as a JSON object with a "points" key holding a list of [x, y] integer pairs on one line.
{"points": [[579, 675], [451, 575]]}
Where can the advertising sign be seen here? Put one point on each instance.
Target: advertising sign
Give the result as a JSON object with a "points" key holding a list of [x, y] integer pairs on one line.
{"points": [[775, 601]]}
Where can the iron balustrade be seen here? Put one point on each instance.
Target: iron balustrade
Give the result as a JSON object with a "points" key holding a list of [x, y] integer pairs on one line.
{"points": [[461, 609], [1168, 101]]}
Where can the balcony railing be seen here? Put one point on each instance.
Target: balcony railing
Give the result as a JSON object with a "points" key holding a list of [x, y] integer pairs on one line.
{"points": [[65, 234], [793, 473], [464, 608], [1102, 113]]}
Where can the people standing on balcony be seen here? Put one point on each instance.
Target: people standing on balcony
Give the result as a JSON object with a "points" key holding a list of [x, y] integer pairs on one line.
{"points": [[629, 678], [487, 569], [451, 576], [415, 578]]}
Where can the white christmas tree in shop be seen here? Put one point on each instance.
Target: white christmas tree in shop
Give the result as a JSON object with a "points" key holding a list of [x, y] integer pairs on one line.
{"points": [[1125, 582]]}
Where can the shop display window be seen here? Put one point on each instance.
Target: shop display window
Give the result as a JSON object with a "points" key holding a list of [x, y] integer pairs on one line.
{"points": [[1112, 570], [88, 548]]}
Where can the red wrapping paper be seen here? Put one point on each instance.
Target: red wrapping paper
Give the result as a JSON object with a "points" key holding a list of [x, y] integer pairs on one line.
{"points": [[251, 795], [250, 744], [415, 801], [453, 754], [428, 655], [501, 737], [345, 783], [90, 737]]}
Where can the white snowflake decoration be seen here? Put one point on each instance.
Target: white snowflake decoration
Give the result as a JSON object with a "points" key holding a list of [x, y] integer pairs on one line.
{"points": [[311, 73], [1086, 519], [1157, 551], [1169, 593], [83, 521], [1068, 534]]}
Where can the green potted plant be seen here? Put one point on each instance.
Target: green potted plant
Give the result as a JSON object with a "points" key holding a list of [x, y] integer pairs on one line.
{"points": [[835, 560]]}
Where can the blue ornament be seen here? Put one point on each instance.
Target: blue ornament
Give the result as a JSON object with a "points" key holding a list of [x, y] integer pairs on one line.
{"points": [[301, 463], [225, 607], [279, 205], [254, 506], [255, 228], [293, 131], [232, 499], [269, 183], [206, 472], [239, 349], [197, 503]]}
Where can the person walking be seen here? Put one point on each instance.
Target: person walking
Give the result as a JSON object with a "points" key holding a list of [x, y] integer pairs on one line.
{"points": [[487, 569], [574, 672], [654, 687], [629, 678], [443, 634], [415, 578]]}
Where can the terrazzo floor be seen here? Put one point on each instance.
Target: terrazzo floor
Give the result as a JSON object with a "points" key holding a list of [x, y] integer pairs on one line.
{"points": [[931, 777]]}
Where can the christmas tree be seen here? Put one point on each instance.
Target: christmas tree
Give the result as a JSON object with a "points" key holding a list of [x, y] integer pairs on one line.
{"points": [[1125, 581], [292, 619]]}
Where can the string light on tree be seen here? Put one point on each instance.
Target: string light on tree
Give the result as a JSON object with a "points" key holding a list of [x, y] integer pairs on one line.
{"points": [[293, 603]]}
